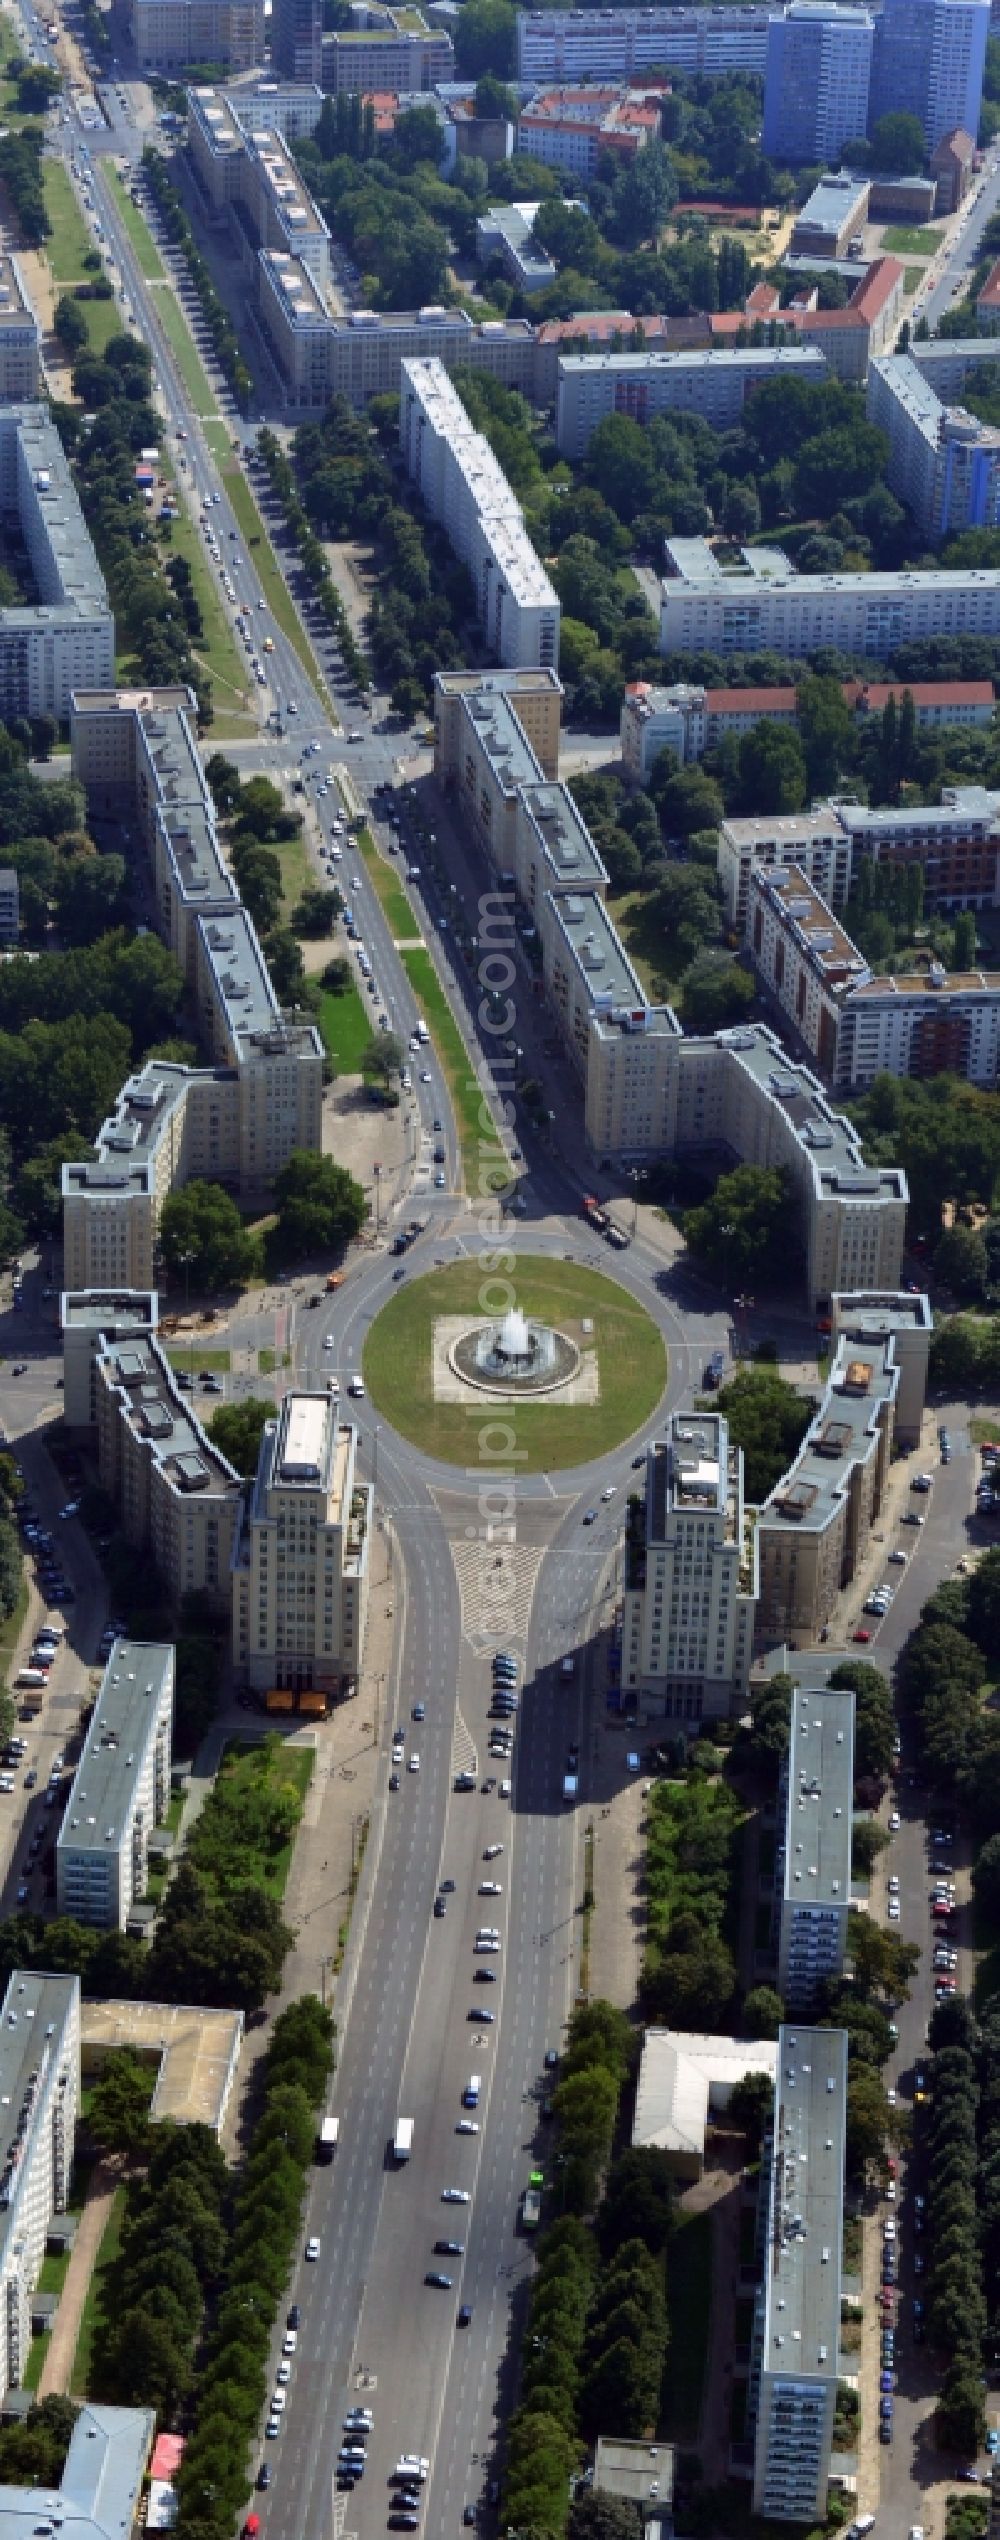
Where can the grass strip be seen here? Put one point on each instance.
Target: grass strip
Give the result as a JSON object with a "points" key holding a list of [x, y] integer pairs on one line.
{"points": [[689, 2302], [904, 240], [150, 263], [276, 592], [217, 1361], [216, 646], [345, 1027], [485, 1166], [98, 2309], [392, 898], [70, 240], [185, 352]]}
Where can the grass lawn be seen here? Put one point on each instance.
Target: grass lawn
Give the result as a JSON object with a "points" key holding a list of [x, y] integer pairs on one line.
{"points": [[297, 874], [632, 1363], [220, 441], [186, 1354], [9, 1630], [216, 647], [185, 351], [983, 1431], [98, 2308], [149, 262], [689, 2302], [393, 900], [484, 1163], [913, 276], [276, 592], [266, 1769], [904, 241], [267, 1361], [345, 1027], [70, 241], [643, 942]]}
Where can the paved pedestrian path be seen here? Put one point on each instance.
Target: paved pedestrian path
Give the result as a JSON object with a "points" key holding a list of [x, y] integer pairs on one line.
{"points": [[57, 2370]]}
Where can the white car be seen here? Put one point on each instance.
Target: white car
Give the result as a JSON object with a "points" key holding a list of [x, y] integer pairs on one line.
{"points": [[283, 2374], [490, 1887], [894, 1822], [899, 1558], [467, 2125], [328, 1340], [894, 1885], [455, 2196], [609, 1492], [290, 2341], [413, 1763], [894, 1910], [493, 1851], [279, 2402], [890, 2191], [890, 2097], [312, 2249]]}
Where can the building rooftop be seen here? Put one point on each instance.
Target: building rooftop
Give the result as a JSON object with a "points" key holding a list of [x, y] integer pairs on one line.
{"points": [[34, 2007], [875, 1315], [804, 360], [678, 2071], [962, 807], [160, 1419], [90, 1309], [570, 856], [15, 306], [689, 1470], [821, 938], [127, 1141], [196, 2049], [832, 202], [787, 829], [240, 974], [307, 1449], [989, 296], [817, 1860], [98, 2498], [828, 1137], [289, 195], [594, 949], [499, 733], [644, 2472], [860, 1393], [68, 575], [802, 2266], [292, 283], [137, 1676], [211, 110], [924, 985]]}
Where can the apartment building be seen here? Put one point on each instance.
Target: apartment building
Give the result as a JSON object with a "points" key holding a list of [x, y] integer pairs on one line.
{"points": [[505, 234], [815, 842], [361, 355], [535, 697], [10, 905], [936, 702], [557, 44], [988, 301], [943, 462], [832, 215], [170, 1125], [387, 49], [90, 1320], [690, 719], [956, 842], [690, 1577], [946, 361], [815, 1528], [173, 35], [854, 1025], [121, 1788], [177, 1497], [239, 144], [263, 103], [464, 488], [796, 2330], [101, 2494], [297, 39], [301, 1555], [928, 60], [816, 82], [872, 1320], [65, 637], [951, 164], [20, 353], [40, 2091], [865, 614], [712, 384], [572, 128], [812, 1871]]}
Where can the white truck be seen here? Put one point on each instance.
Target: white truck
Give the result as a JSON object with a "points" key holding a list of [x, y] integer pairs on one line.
{"points": [[570, 1789], [402, 2141], [329, 2134]]}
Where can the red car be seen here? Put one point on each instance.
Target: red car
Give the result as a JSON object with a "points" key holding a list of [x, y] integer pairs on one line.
{"points": [[860, 1635]]}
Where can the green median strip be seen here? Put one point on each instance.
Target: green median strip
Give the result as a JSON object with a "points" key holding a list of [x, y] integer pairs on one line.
{"points": [[345, 1027], [150, 263], [276, 592], [185, 352], [392, 898], [486, 1168]]}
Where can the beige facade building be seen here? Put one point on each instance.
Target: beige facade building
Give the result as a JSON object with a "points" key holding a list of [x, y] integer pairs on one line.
{"points": [[873, 1321], [238, 1119], [393, 50], [535, 695], [91, 1319], [815, 842], [814, 1530], [20, 355], [168, 35], [300, 1561], [690, 1577], [178, 1498]]}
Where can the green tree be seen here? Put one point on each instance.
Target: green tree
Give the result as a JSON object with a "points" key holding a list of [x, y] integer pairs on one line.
{"points": [[898, 145], [381, 1060], [961, 2416], [750, 2104], [203, 1238], [237, 1428], [316, 913], [688, 801], [825, 732], [768, 1419], [320, 1206], [773, 774], [118, 2116], [713, 993], [743, 1233], [874, 1721], [960, 1261], [484, 39], [763, 2012]]}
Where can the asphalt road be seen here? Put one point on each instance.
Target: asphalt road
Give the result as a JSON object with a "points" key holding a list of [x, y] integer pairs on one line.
{"points": [[952, 268]]}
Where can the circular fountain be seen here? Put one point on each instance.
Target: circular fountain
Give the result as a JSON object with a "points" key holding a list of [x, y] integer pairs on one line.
{"points": [[514, 1356]]}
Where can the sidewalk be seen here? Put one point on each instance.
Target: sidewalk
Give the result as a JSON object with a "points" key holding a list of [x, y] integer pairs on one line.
{"points": [[57, 2370]]}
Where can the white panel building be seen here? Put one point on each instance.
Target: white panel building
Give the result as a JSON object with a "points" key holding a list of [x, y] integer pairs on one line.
{"points": [[865, 614], [796, 2336], [813, 1863], [712, 384], [613, 43], [465, 489], [121, 1788], [39, 2098]]}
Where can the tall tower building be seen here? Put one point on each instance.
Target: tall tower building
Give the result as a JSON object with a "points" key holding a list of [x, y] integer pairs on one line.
{"points": [[297, 39], [928, 60], [816, 83]]}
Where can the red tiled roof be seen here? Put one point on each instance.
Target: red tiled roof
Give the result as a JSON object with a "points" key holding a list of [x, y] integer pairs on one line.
{"points": [[954, 145], [989, 296], [751, 700], [927, 692]]}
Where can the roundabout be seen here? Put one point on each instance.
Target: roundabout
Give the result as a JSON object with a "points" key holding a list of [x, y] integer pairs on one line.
{"points": [[455, 1352]]}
